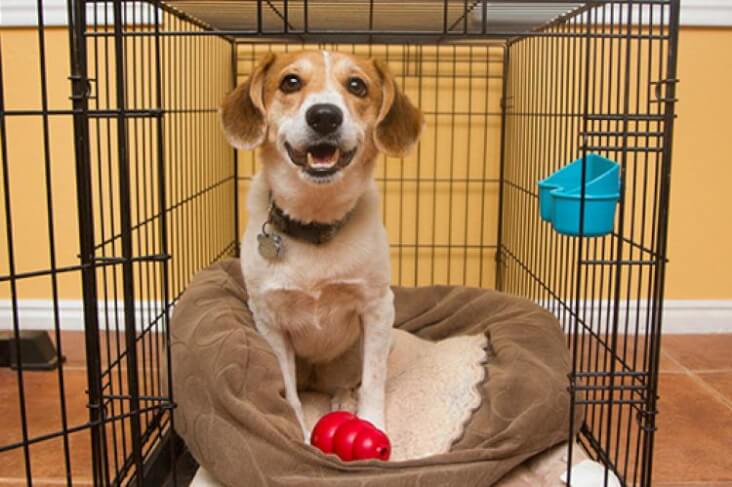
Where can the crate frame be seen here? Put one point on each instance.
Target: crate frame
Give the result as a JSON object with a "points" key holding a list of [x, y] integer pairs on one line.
{"points": [[521, 246]]}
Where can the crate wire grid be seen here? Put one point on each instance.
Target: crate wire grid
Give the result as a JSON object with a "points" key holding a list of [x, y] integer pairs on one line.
{"points": [[458, 89], [142, 236], [523, 99], [610, 92]]}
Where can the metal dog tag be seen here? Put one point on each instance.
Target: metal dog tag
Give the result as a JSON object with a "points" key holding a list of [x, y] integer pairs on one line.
{"points": [[270, 245]]}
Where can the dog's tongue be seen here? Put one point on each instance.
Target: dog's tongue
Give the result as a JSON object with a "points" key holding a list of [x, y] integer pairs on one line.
{"points": [[323, 155]]}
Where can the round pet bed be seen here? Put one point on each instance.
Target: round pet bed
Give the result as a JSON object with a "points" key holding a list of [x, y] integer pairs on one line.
{"points": [[234, 418]]}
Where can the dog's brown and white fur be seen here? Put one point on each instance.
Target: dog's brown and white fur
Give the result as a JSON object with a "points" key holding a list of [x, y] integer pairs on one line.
{"points": [[316, 301]]}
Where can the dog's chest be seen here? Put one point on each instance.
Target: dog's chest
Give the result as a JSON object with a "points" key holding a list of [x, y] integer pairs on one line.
{"points": [[322, 320]]}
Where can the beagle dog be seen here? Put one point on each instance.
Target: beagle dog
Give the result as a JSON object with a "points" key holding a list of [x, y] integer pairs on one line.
{"points": [[315, 254]]}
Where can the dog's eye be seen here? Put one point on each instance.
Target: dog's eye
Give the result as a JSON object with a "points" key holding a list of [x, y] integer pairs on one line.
{"points": [[290, 84], [357, 86]]}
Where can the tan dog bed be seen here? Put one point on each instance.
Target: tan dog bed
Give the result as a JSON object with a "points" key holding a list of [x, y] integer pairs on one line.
{"points": [[546, 469], [236, 422]]}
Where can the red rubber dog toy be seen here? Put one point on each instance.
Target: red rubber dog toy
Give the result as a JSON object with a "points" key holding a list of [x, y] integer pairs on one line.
{"points": [[350, 438]]}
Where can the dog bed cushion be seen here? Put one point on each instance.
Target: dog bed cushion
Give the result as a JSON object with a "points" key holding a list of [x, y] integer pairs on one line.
{"points": [[234, 417], [432, 390]]}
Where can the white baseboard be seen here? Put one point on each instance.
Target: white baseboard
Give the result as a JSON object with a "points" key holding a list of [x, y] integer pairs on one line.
{"points": [[679, 316], [689, 316], [38, 314]]}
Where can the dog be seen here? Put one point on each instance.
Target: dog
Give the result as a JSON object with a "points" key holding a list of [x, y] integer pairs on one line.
{"points": [[315, 254]]}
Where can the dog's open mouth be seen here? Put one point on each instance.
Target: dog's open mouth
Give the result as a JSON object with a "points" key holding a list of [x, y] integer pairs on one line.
{"points": [[320, 160]]}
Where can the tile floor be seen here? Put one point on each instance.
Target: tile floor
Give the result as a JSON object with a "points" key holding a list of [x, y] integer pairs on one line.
{"points": [[693, 446]]}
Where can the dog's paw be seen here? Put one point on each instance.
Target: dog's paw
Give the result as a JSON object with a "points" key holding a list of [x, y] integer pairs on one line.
{"points": [[344, 400], [306, 435]]}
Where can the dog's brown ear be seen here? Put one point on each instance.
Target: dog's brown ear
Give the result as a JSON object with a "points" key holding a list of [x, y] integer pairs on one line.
{"points": [[399, 122], [242, 111]]}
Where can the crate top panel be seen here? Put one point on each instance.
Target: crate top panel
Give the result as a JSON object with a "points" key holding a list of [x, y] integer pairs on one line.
{"points": [[374, 20]]}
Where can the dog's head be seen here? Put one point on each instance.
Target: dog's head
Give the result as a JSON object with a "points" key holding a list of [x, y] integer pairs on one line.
{"points": [[319, 113]]}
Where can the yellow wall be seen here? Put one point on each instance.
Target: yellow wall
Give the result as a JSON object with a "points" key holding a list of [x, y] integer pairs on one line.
{"points": [[700, 232], [22, 86], [200, 162], [700, 237]]}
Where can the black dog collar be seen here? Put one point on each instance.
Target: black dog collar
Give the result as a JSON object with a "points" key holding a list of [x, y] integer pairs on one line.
{"points": [[314, 233]]}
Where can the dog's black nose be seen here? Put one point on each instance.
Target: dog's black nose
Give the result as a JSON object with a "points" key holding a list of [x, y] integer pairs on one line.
{"points": [[324, 118]]}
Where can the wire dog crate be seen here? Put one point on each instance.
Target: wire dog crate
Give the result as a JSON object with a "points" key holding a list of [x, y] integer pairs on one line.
{"points": [[148, 192]]}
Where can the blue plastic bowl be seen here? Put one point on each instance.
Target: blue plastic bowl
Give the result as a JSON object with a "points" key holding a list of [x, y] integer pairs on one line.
{"points": [[560, 197]]}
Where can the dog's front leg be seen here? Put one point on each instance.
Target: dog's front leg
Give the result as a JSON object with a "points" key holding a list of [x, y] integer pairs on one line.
{"points": [[377, 321], [286, 357]]}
